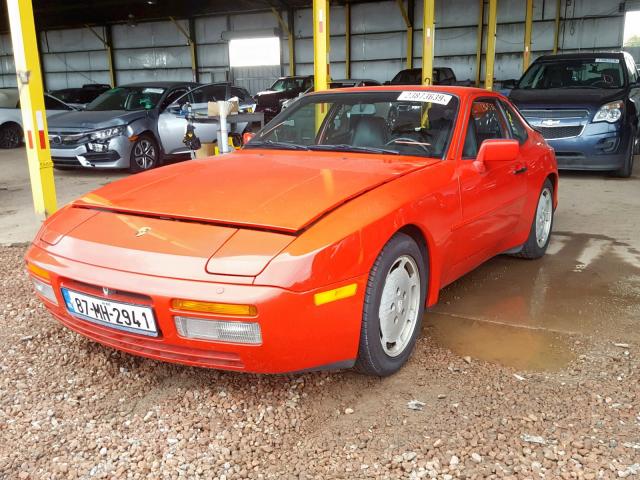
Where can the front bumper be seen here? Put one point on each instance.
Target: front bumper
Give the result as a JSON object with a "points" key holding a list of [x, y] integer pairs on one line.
{"points": [[297, 335], [601, 146], [117, 156]]}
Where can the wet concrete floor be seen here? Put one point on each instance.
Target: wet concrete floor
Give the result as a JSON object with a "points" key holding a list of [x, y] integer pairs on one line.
{"points": [[530, 314]]}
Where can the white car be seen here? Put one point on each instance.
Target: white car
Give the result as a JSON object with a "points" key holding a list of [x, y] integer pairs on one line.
{"points": [[11, 132]]}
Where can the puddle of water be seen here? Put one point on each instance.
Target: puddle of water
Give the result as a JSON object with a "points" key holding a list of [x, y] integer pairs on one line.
{"points": [[517, 347], [587, 284]]}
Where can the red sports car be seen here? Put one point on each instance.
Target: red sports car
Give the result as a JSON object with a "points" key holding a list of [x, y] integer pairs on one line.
{"points": [[317, 246]]}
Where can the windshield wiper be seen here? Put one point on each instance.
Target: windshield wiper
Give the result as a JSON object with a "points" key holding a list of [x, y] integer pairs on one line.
{"points": [[276, 145], [343, 147]]}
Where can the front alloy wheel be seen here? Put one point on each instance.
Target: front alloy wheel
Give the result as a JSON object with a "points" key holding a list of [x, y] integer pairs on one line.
{"points": [[393, 307], [144, 154]]}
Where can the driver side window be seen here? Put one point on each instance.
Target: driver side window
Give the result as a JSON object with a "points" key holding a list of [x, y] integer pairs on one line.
{"points": [[485, 122]]}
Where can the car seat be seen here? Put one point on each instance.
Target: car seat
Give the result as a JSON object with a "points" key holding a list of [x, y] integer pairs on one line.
{"points": [[370, 131]]}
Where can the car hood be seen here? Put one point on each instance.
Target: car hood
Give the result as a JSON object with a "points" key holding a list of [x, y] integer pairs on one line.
{"points": [[83, 120], [274, 190], [564, 97]]}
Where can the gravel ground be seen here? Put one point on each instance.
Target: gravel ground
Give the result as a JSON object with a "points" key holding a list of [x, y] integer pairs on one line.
{"points": [[70, 408]]}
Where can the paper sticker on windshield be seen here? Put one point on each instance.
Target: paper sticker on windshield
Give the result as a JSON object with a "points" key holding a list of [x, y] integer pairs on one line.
{"points": [[159, 91], [607, 60], [427, 97]]}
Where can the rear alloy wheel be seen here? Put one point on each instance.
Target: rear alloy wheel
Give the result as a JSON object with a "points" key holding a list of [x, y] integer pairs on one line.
{"points": [[540, 233], [10, 136], [144, 154], [393, 307]]}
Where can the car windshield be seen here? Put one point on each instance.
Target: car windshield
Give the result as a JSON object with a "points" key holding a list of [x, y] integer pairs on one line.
{"points": [[411, 122], [127, 98], [576, 73]]}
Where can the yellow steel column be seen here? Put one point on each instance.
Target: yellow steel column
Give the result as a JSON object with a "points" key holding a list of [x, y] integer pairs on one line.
{"points": [[106, 41], [321, 44], [528, 24], [479, 39], [108, 46], [190, 37], [347, 39], [556, 31], [428, 41], [491, 44], [285, 28], [34, 119], [291, 41], [409, 24]]}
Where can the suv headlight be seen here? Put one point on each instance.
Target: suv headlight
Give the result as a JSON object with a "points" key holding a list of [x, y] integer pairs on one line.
{"points": [[610, 112], [108, 133]]}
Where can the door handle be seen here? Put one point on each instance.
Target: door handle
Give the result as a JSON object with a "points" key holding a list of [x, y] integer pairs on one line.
{"points": [[520, 169]]}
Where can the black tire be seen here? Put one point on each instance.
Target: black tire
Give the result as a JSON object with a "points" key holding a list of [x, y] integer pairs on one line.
{"points": [[145, 154], [10, 135], [372, 358], [532, 249], [627, 169]]}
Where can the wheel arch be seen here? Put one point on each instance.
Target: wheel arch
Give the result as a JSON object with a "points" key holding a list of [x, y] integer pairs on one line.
{"points": [[425, 243], [553, 177]]}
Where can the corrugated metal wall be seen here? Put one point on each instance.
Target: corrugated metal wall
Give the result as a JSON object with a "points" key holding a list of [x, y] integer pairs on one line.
{"points": [[159, 51]]}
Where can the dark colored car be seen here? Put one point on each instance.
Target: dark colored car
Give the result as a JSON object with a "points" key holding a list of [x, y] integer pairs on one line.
{"points": [[586, 107], [413, 76], [79, 97], [270, 101]]}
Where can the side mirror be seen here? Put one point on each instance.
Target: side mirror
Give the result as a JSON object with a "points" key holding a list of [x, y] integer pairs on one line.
{"points": [[498, 150]]}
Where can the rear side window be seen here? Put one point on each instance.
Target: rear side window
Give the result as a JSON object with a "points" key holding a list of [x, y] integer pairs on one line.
{"points": [[518, 130], [485, 123]]}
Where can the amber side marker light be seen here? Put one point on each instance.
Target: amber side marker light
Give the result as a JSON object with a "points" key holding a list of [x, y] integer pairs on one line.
{"points": [[335, 294], [215, 308]]}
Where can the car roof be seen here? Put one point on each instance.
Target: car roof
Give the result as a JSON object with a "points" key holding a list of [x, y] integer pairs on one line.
{"points": [[578, 56], [160, 84], [452, 89], [295, 76]]}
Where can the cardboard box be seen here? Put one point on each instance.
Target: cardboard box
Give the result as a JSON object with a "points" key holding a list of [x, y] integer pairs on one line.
{"points": [[206, 150], [233, 106]]}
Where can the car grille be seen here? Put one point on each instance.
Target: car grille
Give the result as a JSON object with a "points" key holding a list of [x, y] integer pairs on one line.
{"points": [[560, 123], [581, 114], [560, 132], [57, 139]]}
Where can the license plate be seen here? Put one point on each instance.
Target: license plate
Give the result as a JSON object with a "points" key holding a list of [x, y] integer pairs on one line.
{"points": [[124, 316]]}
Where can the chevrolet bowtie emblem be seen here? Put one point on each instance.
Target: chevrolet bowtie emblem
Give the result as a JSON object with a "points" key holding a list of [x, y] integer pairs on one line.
{"points": [[143, 231]]}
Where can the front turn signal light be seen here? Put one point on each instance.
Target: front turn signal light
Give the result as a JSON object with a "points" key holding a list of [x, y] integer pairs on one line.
{"points": [[38, 271], [232, 309]]}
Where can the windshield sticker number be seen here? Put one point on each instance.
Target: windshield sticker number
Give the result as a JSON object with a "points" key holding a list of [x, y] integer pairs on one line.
{"points": [[153, 90], [426, 97], [607, 60]]}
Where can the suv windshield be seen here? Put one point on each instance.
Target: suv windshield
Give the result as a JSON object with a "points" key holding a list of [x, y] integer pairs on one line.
{"points": [[127, 98], [575, 73], [415, 123]]}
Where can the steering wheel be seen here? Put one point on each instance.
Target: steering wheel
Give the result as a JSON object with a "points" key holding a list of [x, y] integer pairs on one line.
{"points": [[410, 141]]}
